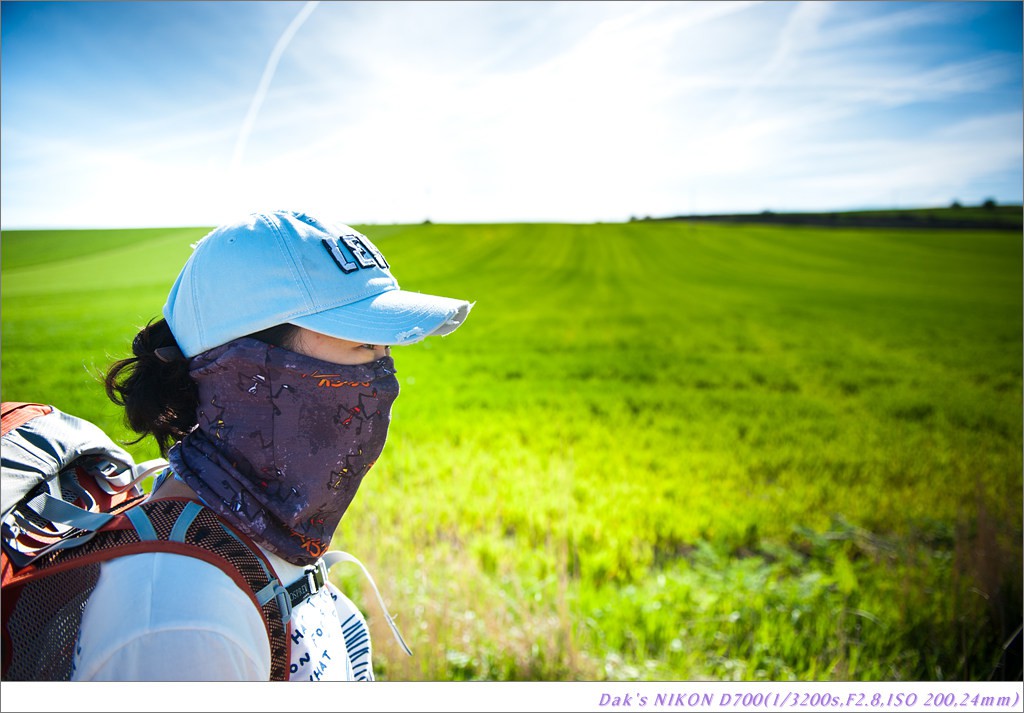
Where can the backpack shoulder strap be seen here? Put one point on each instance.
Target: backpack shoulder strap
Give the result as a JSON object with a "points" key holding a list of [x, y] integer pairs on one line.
{"points": [[182, 526], [187, 527]]}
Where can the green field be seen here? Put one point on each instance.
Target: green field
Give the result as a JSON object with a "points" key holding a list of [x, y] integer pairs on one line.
{"points": [[656, 450]]}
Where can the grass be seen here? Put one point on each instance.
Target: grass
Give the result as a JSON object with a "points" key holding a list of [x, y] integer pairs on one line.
{"points": [[657, 450]]}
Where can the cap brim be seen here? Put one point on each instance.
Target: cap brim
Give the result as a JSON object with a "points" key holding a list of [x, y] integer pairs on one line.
{"points": [[394, 317]]}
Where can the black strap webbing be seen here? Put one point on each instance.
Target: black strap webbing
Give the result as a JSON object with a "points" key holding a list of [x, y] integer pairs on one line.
{"points": [[310, 583]]}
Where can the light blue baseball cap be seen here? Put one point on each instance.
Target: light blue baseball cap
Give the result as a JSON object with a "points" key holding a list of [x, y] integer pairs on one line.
{"points": [[285, 267]]}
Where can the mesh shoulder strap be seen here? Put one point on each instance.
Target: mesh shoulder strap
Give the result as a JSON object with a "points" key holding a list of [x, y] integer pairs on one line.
{"points": [[173, 525]]}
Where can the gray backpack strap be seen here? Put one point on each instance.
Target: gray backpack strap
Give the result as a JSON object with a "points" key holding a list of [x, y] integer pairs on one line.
{"points": [[38, 450]]}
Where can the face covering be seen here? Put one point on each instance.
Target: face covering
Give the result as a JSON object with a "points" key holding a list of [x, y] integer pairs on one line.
{"points": [[283, 441]]}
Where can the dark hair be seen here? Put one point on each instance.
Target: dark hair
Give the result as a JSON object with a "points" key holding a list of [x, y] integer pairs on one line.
{"points": [[160, 399]]}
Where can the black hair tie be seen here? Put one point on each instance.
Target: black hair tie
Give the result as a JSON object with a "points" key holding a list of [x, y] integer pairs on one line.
{"points": [[169, 354]]}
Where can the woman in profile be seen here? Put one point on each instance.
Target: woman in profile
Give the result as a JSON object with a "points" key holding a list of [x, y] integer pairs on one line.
{"points": [[268, 384]]}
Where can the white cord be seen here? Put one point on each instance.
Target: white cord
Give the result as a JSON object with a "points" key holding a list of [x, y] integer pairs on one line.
{"points": [[333, 557]]}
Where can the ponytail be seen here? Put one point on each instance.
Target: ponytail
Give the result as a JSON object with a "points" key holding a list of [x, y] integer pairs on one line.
{"points": [[160, 399]]}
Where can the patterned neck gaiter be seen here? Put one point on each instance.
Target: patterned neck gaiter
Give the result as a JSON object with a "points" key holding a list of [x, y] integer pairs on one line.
{"points": [[284, 441]]}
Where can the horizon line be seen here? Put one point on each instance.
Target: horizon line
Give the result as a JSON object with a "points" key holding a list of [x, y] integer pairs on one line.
{"points": [[631, 219]]}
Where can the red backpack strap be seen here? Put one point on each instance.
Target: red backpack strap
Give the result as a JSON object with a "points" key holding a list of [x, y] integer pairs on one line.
{"points": [[185, 527], [16, 413]]}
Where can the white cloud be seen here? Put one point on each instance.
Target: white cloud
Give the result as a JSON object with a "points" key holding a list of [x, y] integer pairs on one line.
{"points": [[384, 112]]}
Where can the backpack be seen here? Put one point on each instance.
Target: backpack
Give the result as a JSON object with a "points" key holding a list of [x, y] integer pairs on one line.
{"points": [[70, 501]]}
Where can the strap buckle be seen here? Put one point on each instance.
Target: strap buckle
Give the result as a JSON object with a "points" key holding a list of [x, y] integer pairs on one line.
{"points": [[313, 579], [316, 576]]}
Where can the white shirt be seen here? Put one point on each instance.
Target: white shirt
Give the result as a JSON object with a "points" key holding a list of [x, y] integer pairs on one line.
{"points": [[166, 617]]}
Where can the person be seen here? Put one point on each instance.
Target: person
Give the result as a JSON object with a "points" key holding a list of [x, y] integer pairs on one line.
{"points": [[268, 384]]}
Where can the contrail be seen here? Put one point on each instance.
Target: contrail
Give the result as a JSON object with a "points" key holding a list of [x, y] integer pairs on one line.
{"points": [[268, 75]]}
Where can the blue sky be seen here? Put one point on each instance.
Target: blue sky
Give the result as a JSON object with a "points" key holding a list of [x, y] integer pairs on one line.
{"points": [[189, 113]]}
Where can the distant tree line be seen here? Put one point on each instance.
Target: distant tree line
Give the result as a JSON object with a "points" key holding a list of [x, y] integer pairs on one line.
{"points": [[987, 215]]}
